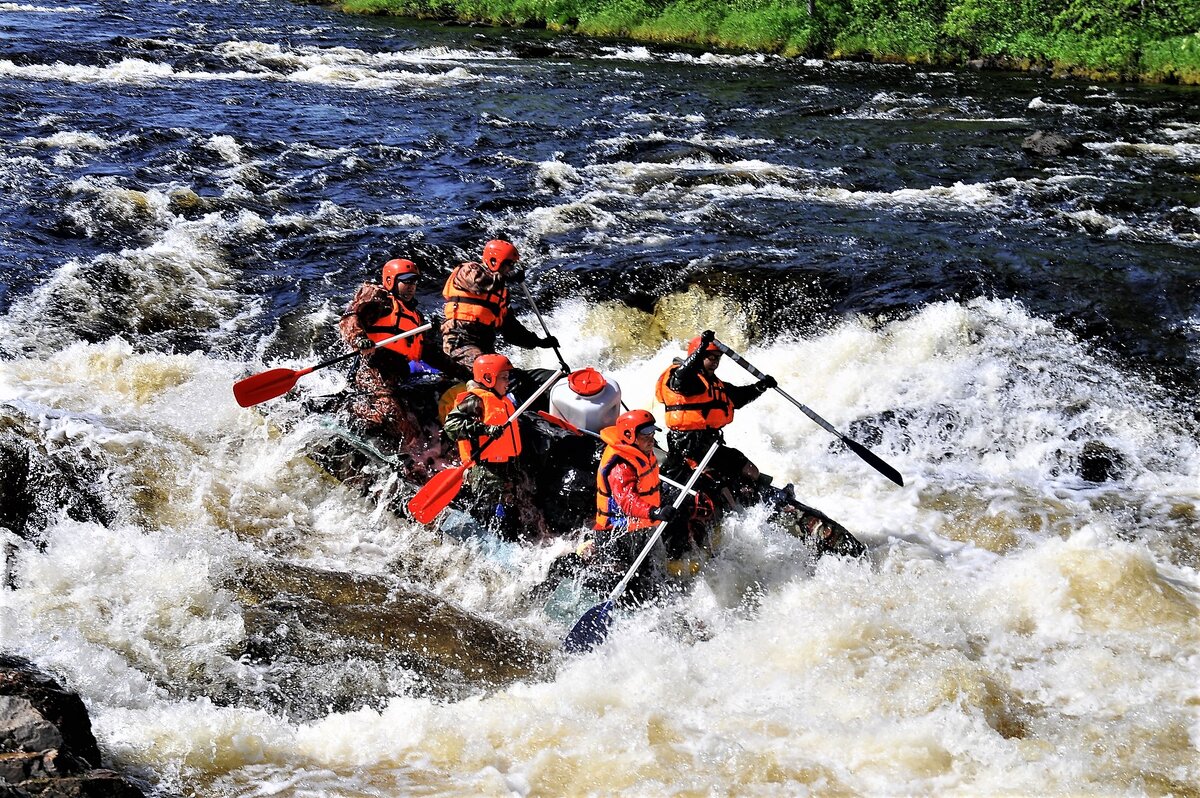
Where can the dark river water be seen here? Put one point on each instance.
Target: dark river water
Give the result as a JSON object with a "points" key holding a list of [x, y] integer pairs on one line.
{"points": [[191, 191]]}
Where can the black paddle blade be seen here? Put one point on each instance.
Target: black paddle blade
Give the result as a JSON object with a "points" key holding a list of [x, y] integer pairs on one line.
{"points": [[590, 630], [873, 460]]}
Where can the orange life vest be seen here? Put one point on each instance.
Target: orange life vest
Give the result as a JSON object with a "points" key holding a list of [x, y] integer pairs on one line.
{"points": [[488, 309], [608, 515], [401, 319], [496, 410], [712, 409]]}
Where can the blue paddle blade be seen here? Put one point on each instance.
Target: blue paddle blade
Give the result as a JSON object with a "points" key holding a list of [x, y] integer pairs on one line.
{"points": [[590, 630]]}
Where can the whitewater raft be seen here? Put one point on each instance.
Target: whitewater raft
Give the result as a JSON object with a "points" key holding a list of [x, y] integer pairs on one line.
{"points": [[563, 465]]}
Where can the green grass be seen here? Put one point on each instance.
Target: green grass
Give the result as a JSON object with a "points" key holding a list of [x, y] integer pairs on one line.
{"points": [[1156, 40]]}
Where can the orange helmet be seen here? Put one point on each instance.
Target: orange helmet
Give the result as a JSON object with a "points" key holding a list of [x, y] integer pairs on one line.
{"points": [[486, 368], [396, 270], [694, 344], [497, 253], [630, 423]]}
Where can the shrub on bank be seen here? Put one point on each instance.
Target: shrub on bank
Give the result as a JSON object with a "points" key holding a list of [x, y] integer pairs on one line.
{"points": [[1148, 39], [1177, 59]]}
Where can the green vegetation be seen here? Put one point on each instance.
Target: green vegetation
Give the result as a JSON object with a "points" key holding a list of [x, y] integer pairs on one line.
{"points": [[1116, 39]]}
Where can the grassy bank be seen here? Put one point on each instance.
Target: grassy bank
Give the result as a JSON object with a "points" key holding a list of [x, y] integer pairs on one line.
{"points": [[1156, 40]]}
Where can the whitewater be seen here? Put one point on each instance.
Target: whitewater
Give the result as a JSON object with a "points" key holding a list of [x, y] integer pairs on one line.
{"points": [[191, 193]]}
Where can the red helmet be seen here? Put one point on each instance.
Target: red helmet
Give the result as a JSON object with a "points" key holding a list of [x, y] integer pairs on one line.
{"points": [[628, 424], [487, 367], [395, 268], [694, 344], [497, 253]]}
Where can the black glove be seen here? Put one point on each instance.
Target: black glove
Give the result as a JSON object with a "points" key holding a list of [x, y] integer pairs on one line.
{"points": [[706, 338], [494, 431], [549, 342], [516, 276], [664, 513], [364, 343], [767, 383]]}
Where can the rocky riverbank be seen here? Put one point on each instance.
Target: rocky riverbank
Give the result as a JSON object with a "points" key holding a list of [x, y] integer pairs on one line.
{"points": [[47, 749]]}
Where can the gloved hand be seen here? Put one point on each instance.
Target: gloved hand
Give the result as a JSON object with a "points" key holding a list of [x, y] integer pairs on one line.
{"points": [[664, 513], [421, 367], [364, 343], [706, 338], [767, 383], [516, 276], [494, 431], [549, 342]]}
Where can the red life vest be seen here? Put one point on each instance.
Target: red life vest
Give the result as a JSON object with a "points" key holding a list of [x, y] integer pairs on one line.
{"points": [[712, 409], [608, 515], [496, 410], [488, 309], [401, 319]]}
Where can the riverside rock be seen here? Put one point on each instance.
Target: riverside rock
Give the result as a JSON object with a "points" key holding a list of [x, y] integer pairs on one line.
{"points": [[47, 747], [39, 482]]}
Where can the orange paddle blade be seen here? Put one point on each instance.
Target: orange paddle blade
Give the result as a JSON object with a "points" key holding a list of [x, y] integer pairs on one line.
{"points": [[437, 494], [268, 385]]}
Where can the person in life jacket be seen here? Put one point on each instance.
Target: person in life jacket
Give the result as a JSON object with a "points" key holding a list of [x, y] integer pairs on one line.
{"points": [[699, 405], [628, 503], [477, 306], [627, 482], [379, 311], [501, 494]]}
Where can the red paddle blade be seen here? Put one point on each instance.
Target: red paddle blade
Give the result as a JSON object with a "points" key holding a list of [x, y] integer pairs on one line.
{"points": [[267, 385], [437, 494], [559, 422]]}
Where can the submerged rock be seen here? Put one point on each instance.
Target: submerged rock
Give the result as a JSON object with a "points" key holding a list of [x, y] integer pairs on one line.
{"points": [[344, 640], [1050, 145], [47, 747], [1099, 462], [39, 482]]}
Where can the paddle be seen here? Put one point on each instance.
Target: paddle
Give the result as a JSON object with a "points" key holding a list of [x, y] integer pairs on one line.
{"points": [[566, 369], [529, 295], [591, 629], [439, 491], [277, 382], [862, 451], [569, 427]]}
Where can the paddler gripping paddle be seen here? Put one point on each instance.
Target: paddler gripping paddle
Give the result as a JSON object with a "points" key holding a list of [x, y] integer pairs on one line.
{"points": [[529, 296], [445, 485], [862, 451], [277, 382], [591, 629]]}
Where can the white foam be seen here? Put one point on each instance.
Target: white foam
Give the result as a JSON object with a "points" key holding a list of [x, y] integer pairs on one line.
{"points": [[645, 54], [1186, 152], [178, 283], [1038, 104], [32, 9], [1008, 612], [336, 67], [71, 140], [227, 147]]}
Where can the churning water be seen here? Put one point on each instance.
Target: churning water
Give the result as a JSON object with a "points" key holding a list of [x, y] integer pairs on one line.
{"points": [[191, 191]]}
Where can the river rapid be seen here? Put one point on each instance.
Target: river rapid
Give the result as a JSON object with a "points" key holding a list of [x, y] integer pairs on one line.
{"points": [[191, 191]]}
